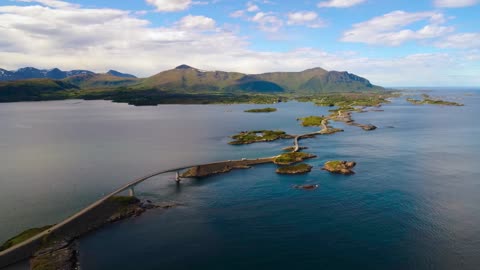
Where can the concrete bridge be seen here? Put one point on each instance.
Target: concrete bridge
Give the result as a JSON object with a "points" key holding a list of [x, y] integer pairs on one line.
{"points": [[27, 248]]}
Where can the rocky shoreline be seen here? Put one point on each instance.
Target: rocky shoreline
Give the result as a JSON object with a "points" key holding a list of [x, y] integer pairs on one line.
{"points": [[295, 169], [60, 251], [340, 167]]}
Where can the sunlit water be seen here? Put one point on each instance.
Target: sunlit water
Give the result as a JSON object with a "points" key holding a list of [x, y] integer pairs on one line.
{"points": [[413, 203]]}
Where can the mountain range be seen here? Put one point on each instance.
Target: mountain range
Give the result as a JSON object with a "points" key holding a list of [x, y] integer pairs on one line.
{"points": [[55, 74], [311, 81], [182, 82]]}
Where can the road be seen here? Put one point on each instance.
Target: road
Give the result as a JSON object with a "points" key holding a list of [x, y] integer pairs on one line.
{"points": [[8, 257]]}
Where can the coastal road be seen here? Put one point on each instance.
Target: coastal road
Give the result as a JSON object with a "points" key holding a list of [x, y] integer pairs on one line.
{"points": [[28, 247]]}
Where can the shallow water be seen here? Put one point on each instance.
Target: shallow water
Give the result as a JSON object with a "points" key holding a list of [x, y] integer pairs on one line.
{"points": [[413, 202]]}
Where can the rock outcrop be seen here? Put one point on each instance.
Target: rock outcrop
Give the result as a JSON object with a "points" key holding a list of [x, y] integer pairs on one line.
{"points": [[340, 167]]}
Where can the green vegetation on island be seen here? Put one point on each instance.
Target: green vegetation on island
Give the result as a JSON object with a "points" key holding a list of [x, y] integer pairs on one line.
{"points": [[25, 235], [339, 166], [57, 249], [248, 137], [347, 100], [292, 157], [294, 169], [263, 110], [312, 121], [428, 100], [346, 109]]}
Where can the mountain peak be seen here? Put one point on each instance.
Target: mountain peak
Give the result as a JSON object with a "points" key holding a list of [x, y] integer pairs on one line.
{"points": [[183, 66], [120, 74], [317, 69]]}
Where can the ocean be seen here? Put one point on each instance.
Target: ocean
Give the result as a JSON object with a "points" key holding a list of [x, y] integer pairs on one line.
{"points": [[412, 204]]}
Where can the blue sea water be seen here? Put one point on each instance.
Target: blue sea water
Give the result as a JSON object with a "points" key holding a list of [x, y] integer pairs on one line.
{"points": [[412, 204]]}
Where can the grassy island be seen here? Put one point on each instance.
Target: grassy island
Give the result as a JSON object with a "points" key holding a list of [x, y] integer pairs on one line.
{"points": [[263, 110], [339, 166], [295, 169], [291, 158], [345, 109], [248, 137], [349, 99], [428, 100], [312, 121]]}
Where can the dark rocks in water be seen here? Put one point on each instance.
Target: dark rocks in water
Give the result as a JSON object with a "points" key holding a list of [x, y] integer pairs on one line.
{"points": [[147, 204], [305, 187], [58, 255], [369, 127], [340, 167]]}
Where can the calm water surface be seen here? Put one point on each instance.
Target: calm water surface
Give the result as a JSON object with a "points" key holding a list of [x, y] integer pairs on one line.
{"points": [[413, 203]]}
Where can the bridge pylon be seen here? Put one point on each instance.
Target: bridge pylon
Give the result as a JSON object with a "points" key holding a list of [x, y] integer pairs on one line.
{"points": [[131, 191]]}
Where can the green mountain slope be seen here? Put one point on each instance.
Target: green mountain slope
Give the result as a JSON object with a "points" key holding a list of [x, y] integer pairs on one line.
{"points": [[185, 83], [89, 81], [34, 89], [186, 79]]}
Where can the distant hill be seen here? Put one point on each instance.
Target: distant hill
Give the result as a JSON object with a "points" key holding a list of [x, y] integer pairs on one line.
{"points": [[34, 73], [120, 74], [183, 84], [185, 79], [317, 80], [33, 90], [56, 74], [89, 81]]}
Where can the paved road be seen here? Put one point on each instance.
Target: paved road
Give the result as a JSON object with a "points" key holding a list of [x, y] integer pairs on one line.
{"points": [[299, 137], [97, 203]]}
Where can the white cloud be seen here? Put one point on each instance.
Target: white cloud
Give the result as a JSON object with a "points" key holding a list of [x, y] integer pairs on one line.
{"points": [[460, 41], [51, 3], [307, 18], [251, 7], [196, 22], [103, 39], [340, 3], [455, 3], [170, 5], [389, 28], [267, 21]]}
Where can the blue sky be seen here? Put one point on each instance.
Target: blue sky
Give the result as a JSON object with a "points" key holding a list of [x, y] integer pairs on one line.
{"points": [[392, 43]]}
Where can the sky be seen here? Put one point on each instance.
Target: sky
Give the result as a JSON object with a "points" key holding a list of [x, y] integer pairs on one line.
{"points": [[389, 42]]}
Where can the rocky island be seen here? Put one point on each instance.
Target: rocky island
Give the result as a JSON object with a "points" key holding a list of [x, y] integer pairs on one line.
{"points": [[248, 137], [295, 169], [429, 100], [305, 187], [340, 167], [263, 110], [292, 157]]}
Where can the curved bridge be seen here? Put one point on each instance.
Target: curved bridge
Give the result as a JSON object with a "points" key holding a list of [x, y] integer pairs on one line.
{"points": [[27, 248]]}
